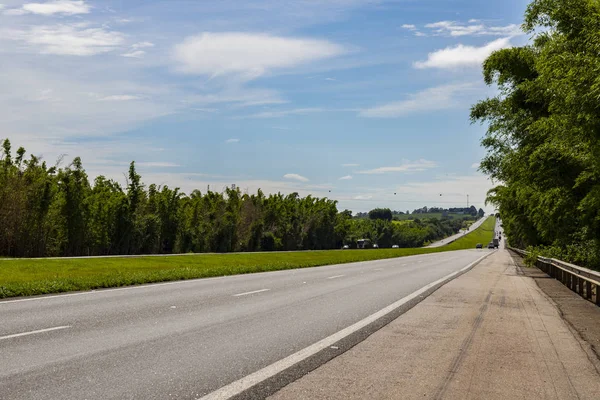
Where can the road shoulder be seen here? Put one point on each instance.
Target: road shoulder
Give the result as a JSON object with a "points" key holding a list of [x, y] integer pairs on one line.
{"points": [[491, 333], [582, 316]]}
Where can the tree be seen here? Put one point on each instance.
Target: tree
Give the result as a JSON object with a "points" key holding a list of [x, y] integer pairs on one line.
{"points": [[543, 137], [381, 213]]}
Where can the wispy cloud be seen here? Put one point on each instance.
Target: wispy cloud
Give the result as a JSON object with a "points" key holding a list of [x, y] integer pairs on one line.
{"points": [[248, 55], [135, 51], [296, 177], [461, 55], [410, 27], [67, 39], [232, 140], [407, 166], [475, 165], [285, 113], [64, 7], [134, 54], [363, 197], [350, 165], [472, 28], [346, 178], [436, 98]]}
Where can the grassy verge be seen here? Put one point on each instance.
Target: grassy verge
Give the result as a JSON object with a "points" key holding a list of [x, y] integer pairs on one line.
{"points": [[28, 277]]}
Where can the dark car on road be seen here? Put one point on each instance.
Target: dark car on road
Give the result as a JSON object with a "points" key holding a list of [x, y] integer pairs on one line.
{"points": [[478, 246], [491, 245]]}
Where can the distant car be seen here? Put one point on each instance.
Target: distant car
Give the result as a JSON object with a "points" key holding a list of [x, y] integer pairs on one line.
{"points": [[479, 246], [491, 245], [395, 246], [345, 247], [375, 246]]}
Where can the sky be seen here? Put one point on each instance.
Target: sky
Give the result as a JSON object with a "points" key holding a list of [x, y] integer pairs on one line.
{"points": [[362, 101]]}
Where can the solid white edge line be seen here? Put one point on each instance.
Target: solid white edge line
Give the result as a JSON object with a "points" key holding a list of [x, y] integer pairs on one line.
{"points": [[252, 292], [34, 332], [335, 276], [247, 382]]}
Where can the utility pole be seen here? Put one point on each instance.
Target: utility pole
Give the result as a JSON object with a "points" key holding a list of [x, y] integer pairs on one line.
{"points": [[467, 201]]}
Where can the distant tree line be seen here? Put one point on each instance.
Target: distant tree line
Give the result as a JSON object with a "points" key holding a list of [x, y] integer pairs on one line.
{"points": [[56, 211], [543, 136]]}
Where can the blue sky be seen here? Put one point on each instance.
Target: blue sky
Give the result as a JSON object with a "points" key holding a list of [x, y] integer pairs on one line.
{"points": [[351, 99]]}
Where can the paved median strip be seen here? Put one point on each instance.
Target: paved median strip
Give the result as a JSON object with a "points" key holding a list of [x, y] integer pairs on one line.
{"points": [[34, 332], [252, 292]]}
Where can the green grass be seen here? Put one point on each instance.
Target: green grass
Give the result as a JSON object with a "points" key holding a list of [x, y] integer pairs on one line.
{"points": [[483, 234], [26, 277]]}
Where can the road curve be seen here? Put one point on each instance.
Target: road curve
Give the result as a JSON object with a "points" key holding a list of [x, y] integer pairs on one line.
{"points": [[460, 234], [187, 339]]}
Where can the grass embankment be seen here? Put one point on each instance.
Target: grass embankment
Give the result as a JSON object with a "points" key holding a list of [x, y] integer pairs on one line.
{"points": [[483, 234], [25, 277]]}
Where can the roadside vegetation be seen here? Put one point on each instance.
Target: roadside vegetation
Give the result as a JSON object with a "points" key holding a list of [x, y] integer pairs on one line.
{"points": [[54, 211], [543, 137], [25, 277]]}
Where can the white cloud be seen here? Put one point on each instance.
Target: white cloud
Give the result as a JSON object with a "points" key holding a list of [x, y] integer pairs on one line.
{"points": [[475, 165], [350, 165], [134, 54], [284, 113], [120, 97], [476, 28], [346, 178], [142, 45], [248, 55], [64, 7], [135, 51], [435, 98], [67, 39], [362, 197], [410, 27], [461, 55], [296, 177], [232, 140], [407, 166]]}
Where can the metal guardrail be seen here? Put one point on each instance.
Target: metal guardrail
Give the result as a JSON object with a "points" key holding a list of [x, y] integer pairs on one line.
{"points": [[583, 281]]}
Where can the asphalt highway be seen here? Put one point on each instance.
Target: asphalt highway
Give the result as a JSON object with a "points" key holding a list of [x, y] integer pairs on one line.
{"points": [[187, 339]]}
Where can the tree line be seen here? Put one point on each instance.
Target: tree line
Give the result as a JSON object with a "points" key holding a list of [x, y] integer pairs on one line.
{"points": [[543, 132], [56, 211]]}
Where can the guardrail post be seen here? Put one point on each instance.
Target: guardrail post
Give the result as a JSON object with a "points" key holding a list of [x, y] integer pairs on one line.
{"points": [[597, 295], [580, 286], [588, 290]]}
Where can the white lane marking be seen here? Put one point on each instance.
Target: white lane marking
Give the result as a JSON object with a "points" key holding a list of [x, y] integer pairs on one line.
{"points": [[404, 265], [335, 276], [247, 382], [34, 332], [378, 269], [252, 292]]}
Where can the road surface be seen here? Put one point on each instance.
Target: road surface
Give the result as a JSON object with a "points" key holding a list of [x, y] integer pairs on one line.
{"points": [[187, 339], [489, 334], [460, 234]]}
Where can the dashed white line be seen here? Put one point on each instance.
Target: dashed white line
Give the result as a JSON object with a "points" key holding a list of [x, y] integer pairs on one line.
{"points": [[252, 292], [335, 276], [378, 269], [34, 332]]}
